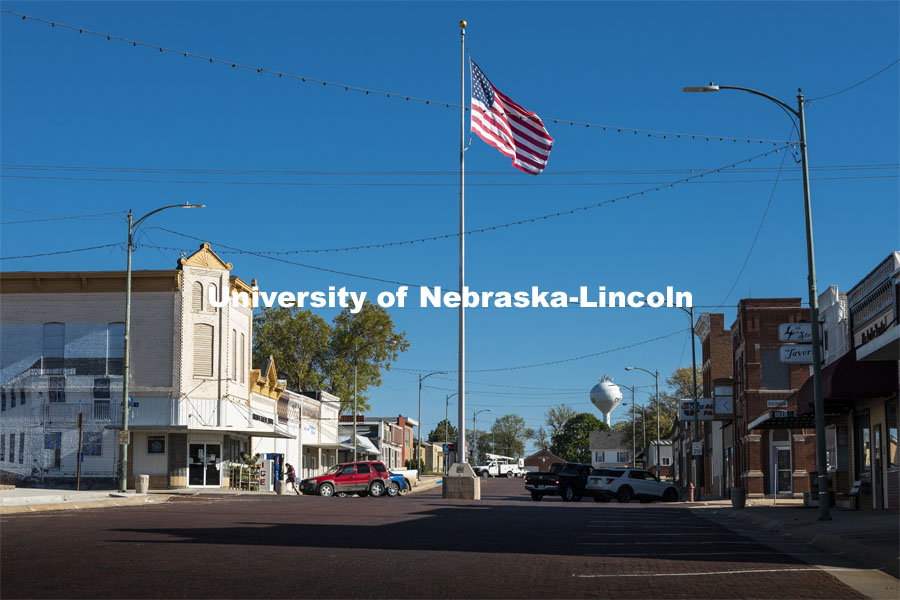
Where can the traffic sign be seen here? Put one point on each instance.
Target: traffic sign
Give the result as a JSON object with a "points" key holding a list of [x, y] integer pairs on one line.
{"points": [[697, 448]]}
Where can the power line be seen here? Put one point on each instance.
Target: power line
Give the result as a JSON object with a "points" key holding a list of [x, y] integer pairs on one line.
{"points": [[293, 172], [353, 88], [858, 83], [60, 252], [63, 218], [506, 225], [395, 184]]}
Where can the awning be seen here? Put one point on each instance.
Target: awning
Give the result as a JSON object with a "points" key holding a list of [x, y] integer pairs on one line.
{"points": [[363, 444], [277, 433], [782, 419], [329, 445], [847, 380]]}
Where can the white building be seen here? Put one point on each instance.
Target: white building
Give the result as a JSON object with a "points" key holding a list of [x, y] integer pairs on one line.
{"points": [[191, 410], [608, 449]]}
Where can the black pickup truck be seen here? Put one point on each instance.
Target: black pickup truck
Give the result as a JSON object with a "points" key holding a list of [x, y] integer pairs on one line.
{"points": [[566, 480]]}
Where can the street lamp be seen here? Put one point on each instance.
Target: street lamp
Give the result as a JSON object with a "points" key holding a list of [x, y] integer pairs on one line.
{"points": [[475, 432], [656, 376], [447, 418], [821, 462], [419, 437], [123, 438], [356, 349], [696, 474], [633, 430]]}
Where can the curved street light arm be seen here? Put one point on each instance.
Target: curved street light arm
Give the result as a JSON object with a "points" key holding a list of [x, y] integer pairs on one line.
{"points": [[764, 95]]}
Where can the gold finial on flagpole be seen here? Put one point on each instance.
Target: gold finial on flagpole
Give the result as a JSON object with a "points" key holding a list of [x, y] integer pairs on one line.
{"points": [[462, 24]]}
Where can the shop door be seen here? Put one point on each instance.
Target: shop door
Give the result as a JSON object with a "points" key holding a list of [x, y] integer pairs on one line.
{"points": [[783, 479], [204, 465], [877, 480], [53, 442]]}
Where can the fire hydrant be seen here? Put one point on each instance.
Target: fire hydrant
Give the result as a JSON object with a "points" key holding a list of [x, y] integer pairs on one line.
{"points": [[691, 492]]}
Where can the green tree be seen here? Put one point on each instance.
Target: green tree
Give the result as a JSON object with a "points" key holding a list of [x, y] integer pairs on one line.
{"points": [[443, 432], [572, 442], [538, 436], [298, 341], [557, 416], [313, 355], [508, 435], [366, 340]]}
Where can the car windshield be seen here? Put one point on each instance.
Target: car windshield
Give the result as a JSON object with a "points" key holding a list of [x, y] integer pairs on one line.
{"points": [[333, 470]]}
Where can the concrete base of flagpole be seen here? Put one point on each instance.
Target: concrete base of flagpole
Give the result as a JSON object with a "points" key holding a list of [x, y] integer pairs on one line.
{"points": [[461, 483]]}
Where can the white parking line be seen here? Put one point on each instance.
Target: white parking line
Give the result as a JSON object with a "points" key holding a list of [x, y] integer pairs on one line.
{"points": [[664, 554], [718, 542], [707, 573], [695, 534]]}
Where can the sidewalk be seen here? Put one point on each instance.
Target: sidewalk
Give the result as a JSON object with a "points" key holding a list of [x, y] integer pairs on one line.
{"points": [[21, 500], [871, 538]]}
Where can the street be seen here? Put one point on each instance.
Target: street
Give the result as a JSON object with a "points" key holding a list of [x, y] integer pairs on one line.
{"points": [[417, 546]]}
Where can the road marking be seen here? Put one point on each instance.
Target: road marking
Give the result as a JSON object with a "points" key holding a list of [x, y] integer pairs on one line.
{"points": [[664, 554], [707, 573], [599, 533], [662, 543]]}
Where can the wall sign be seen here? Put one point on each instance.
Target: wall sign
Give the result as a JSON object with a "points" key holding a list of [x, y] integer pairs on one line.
{"points": [[706, 406], [798, 354]]}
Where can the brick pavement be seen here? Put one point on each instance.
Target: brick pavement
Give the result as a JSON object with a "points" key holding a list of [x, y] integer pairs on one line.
{"points": [[417, 546]]}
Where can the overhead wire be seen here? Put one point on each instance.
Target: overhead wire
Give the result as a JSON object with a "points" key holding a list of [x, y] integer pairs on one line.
{"points": [[63, 218], [72, 251], [506, 225], [858, 83], [366, 91]]}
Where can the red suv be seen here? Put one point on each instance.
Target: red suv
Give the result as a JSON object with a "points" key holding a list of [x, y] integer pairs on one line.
{"points": [[369, 478]]}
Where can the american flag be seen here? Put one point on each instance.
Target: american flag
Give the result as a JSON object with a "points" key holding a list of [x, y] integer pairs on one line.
{"points": [[514, 131]]}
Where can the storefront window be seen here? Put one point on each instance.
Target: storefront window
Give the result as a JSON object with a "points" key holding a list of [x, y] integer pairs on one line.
{"points": [[891, 411], [836, 447], [865, 442]]}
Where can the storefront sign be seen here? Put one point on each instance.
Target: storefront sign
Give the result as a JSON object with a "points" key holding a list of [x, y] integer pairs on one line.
{"points": [[795, 332], [798, 354], [706, 412], [776, 403], [879, 326], [262, 419]]}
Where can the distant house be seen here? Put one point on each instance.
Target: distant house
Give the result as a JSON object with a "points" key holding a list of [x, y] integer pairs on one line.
{"points": [[648, 457], [541, 461], [608, 449]]}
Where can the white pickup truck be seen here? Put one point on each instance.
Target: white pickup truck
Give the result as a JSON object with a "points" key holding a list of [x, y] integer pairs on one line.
{"points": [[411, 476], [500, 466]]}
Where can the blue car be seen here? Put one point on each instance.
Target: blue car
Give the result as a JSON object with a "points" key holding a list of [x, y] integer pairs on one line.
{"points": [[397, 484]]}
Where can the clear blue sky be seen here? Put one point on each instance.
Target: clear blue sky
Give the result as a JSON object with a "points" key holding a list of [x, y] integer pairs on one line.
{"points": [[72, 99]]}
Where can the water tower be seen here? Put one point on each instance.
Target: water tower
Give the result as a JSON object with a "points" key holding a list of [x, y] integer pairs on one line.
{"points": [[606, 396]]}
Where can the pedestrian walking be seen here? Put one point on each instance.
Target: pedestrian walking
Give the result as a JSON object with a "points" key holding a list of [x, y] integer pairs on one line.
{"points": [[292, 477]]}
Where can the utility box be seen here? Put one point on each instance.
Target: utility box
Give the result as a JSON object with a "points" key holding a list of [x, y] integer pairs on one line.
{"points": [[461, 483]]}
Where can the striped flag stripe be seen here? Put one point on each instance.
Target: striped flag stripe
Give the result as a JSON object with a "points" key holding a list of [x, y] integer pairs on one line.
{"points": [[510, 138]]}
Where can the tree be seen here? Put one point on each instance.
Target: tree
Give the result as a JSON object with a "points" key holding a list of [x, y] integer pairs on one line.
{"points": [[538, 436], [366, 340], [298, 341], [557, 417], [313, 355], [507, 434], [442, 433], [572, 442]]}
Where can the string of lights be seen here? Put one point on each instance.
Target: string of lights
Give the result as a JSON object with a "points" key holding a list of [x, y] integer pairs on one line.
{"points": [[372, 92], [506, 225], [72, 251]]}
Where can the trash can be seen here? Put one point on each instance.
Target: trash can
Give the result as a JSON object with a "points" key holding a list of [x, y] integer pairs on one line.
{"points": [[141, 484], [279, 486], [738, 497]]}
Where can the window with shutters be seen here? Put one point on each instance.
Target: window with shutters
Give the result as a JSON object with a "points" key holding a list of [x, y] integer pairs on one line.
{"points": [[243, 356], [213, 293], [197, 297], [203, 350], [53, 347], [234, 355]]}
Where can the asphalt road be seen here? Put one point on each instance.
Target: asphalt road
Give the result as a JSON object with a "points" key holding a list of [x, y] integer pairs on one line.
{"points": [[417, 546]]}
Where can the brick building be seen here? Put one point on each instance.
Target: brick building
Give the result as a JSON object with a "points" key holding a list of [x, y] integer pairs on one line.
{"points": [[541, 461], [774, 449]]}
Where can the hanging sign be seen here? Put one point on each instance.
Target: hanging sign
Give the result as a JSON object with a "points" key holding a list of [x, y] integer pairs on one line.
{"points": [[795, 332], [798, 354]]}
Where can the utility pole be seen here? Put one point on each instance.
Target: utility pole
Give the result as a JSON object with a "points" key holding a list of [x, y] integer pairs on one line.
{"points": [[80, 449], [419, 436]]}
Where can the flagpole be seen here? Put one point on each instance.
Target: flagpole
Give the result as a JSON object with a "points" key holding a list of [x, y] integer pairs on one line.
{"points": [[461, 382]]}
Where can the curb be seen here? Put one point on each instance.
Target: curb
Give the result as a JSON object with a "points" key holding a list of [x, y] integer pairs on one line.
{"points": [[425, 487], [823, 541], [76, 505]]}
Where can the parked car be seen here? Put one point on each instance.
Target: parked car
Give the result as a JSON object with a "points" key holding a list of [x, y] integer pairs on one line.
{"points": [[397, 484], [368, 478], [627, 484], [564, 479]]}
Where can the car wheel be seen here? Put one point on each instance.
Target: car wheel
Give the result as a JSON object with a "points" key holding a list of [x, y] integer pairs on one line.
{"points": [[485, 474], [376, 489], [393, 489], [509, 474], [670, 495], [624, 495], [536, 496], [568, 494], [326, 490]]}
